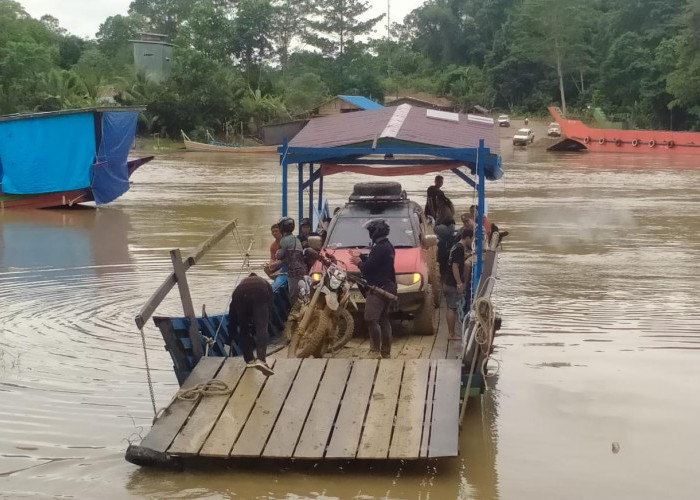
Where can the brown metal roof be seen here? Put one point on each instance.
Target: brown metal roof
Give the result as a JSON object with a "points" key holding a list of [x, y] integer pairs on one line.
{"points": [[404, 123]]}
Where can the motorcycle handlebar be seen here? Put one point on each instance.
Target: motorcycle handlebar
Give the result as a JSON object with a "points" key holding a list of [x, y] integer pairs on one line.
{"points": [[329, 259]]}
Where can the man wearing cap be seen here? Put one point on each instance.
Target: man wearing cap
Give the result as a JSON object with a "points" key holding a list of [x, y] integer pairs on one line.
{"points": [[378, 269], [433, 195]]}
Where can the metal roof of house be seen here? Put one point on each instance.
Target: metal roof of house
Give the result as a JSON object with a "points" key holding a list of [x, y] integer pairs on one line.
{"points": [[361, 102], [405, 123]]}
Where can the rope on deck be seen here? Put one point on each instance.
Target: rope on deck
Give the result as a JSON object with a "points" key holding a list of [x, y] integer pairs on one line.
{"points": [[213, 387], [148, 373]]}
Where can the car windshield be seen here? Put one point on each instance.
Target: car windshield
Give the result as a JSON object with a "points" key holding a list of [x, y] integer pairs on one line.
{"points": [[503, 117], [349, 233], [553, 125]]}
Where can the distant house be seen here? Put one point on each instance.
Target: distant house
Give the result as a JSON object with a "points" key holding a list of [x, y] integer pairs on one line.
{"points": [[275, 133], [344, 104], [478, 110], [439, 103], [153, 55]]}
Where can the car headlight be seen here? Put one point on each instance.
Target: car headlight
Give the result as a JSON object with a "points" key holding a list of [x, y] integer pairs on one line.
{"points": [[408, 279]]}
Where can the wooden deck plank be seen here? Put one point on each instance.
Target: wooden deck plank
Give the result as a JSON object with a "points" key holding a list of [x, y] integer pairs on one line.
{"points": [[284, 436], [319, 423], [439, 350], [397, 345], [195, 431], [267, 407], [427, 343], [379, 423], [412, 348], [348, 425], [408, 428], [166, 427], [349, 348], [454, 349], [427, 419], [235, 413], [444, 433]]}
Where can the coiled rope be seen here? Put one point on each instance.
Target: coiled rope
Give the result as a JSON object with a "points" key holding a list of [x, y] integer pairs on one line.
{"points": [[485, 316], [213, 387]]}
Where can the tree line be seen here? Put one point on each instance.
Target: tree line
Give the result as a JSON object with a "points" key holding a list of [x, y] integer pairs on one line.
{"points": [[241, 63]]}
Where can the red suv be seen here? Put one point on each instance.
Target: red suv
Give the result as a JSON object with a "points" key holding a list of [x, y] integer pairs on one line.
{"points": [[415, 261]]}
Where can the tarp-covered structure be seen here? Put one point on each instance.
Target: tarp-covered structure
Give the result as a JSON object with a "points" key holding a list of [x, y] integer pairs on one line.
{"points": [[66, 151], [395, 141]]}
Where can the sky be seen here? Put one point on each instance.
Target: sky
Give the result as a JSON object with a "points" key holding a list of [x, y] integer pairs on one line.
{"points": [[83, 17]]}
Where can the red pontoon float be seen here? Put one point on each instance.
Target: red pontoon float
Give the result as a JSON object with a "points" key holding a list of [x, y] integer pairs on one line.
{"points": [[577, 135]]}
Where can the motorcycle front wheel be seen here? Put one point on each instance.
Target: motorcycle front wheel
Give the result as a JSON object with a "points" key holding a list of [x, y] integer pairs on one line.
{"points": [[306, 343], [345, 329]]}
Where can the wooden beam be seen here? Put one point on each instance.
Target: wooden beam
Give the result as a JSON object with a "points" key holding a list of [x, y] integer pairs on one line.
{"points": [[154, 301], [187, 306], [202, 249]]}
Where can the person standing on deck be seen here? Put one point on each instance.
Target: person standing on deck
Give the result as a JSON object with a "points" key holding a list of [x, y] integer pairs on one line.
{"points": [[433, 194], [461, 260], [251, 305], [291, 254], [453, 281], [378, 269]]}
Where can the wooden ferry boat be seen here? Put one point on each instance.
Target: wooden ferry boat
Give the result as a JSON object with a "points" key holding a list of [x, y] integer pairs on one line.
{"points": [[66, 157], [579, 136], [214, 146], [345, 405]]}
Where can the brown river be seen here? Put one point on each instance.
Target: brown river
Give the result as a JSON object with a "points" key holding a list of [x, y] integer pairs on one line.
{"points": [[598, 391]]}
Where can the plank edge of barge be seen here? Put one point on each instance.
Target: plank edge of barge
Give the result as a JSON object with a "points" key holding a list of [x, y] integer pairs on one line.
{"points": [[142, 456]]}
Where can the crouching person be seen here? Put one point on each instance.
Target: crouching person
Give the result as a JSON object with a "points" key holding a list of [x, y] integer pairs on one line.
{"points": [[377, 269], [251, 304]]}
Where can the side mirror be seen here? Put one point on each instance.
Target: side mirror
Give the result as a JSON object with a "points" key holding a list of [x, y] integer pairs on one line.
{"points": [[315, 242], [429, 241]]}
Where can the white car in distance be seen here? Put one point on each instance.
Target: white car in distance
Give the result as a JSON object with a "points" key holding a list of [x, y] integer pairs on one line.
{"points": [[523, 136]]}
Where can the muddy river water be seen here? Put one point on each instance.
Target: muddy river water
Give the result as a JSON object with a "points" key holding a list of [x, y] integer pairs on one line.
{"points": [[597, 395]]}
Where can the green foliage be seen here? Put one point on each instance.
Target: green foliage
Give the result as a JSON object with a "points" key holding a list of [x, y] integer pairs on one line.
{"points": [[304, 92], [244, 62], [684, 82], [336, 24], [467, 86], [199, 92]]}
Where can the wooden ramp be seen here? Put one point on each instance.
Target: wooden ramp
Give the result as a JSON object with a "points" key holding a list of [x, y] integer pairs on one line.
{"points": [[314, 409]]}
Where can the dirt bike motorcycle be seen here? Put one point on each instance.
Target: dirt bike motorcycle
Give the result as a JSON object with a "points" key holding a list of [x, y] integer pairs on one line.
{"points": [[320, 322]]}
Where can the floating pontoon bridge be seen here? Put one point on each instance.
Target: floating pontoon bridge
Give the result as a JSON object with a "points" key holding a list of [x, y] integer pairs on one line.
{"points": [[348, 407]]}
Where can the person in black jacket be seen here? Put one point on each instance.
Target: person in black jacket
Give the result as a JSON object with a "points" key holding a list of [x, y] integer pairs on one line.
{"points": [[378, 269], [251, 305]]}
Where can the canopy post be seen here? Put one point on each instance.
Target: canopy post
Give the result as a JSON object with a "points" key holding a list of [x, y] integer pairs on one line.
{"points": [[283, 160], [320, 189], [481, 190], [300, 168], [311, 195]]}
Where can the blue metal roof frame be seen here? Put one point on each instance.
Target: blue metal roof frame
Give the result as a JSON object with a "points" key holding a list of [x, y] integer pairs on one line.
{"points": [[361, 102]]}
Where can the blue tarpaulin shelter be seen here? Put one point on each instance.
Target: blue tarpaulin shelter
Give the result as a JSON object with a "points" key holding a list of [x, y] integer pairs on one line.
{"points": [[67, 150]]}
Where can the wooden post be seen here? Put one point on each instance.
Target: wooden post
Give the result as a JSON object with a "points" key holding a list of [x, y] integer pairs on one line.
{"points": [[187, 306], [149, 308]]}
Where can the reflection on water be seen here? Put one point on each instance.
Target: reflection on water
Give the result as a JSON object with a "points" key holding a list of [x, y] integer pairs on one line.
{"points": [[598, 292]]}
